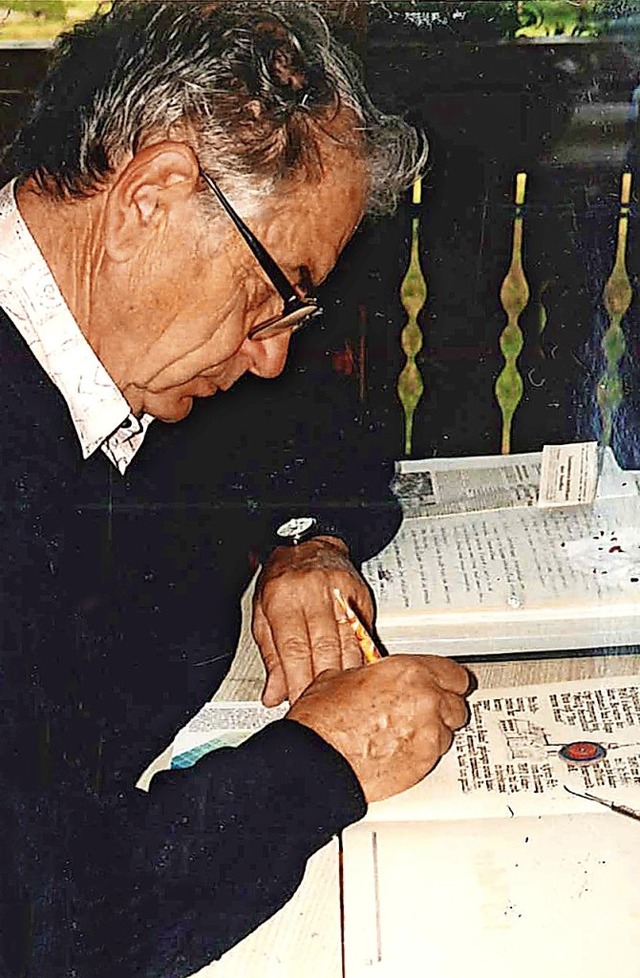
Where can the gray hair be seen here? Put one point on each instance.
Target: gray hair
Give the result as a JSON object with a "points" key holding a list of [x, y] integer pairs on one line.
{"points": [[249, 85]]}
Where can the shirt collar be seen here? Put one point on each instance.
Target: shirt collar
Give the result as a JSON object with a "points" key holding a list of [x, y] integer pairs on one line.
{"points": [[31, 298]]}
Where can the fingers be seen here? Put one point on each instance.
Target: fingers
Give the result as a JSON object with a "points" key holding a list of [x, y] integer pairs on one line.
{"points": [[448, 674], [275, 688], [325, 634], [359, 599], [444, 684], [445, 740], [297, 646], [300, 633], [333, 639], [310, 640], [351, 653], [291, 643], [298, 630], [392, 720], [453, 711]]}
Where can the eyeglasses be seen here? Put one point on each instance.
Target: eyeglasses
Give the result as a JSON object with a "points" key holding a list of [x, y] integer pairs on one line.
{"points": [[297, 312]]}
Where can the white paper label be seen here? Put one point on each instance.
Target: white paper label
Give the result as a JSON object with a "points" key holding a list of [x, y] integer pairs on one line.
{"points": [[569, 475]]}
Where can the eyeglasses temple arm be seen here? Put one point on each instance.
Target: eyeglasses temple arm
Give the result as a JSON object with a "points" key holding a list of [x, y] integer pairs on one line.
{"points": [[270, 267]]}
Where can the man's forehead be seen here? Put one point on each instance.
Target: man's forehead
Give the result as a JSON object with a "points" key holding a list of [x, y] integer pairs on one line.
{"points": [[310, 235], [335, 200]]}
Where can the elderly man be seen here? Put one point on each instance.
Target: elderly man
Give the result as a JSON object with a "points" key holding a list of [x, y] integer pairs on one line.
{"points": [[189, 175]]}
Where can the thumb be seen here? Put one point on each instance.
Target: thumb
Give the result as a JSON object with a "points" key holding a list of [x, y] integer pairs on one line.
{"points": [[275, 687]]}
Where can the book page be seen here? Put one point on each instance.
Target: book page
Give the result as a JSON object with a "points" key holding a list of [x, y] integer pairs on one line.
{"points": [[444, 486], [521, 897], [235, 712], [221, 724], [246, 677], [509, 569], [435, 487], [523, 745], [515, 559]]}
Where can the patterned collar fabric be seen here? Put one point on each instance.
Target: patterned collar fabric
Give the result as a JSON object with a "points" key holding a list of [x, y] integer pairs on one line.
{"points": [[31, 298]]}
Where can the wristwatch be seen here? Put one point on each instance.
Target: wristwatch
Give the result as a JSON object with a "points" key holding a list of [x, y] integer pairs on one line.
{"points": [[301, 528]]}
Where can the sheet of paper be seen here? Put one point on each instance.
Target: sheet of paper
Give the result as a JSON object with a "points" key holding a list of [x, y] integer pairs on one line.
{"points": [[210, 729], [235, 711], [450, 577], [436, 487], [444, 486], [221, 724], [246, 677], [523, 897], [569, 474], [513, 757]]}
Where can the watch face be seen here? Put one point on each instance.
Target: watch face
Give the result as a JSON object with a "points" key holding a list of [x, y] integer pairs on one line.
{"points": [[295, 528]]}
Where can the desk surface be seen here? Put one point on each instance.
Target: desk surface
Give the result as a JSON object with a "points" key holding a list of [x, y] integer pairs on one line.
{"points": [[308, 928]]}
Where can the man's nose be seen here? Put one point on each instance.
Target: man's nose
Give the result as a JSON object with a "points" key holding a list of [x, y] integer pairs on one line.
{"points": [[268, 357]]}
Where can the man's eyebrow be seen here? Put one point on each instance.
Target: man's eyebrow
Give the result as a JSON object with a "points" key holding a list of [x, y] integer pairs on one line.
{"points": [[305, 279]]}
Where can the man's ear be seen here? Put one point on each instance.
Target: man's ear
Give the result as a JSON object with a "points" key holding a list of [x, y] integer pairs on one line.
{"points": [[158, 178]]}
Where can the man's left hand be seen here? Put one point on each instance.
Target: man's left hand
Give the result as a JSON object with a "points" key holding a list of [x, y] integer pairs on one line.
{"points": [[296, 621]]}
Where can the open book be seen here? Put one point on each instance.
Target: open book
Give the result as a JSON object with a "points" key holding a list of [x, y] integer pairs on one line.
{"points": [[477, 568], [489, 866]]}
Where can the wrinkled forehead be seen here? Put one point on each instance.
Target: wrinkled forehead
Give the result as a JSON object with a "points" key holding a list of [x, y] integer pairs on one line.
{"points": [[317, 213], [313, 222]]}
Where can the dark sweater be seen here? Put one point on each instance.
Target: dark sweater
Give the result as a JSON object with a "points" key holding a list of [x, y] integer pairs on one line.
{"points": [[119, 615]]}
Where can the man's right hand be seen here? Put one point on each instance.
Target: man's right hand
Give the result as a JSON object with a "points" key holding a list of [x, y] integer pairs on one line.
{"points": [[392, 720]]}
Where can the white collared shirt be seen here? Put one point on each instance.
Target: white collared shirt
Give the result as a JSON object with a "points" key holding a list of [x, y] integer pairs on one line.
{"points": [[31, 298]]}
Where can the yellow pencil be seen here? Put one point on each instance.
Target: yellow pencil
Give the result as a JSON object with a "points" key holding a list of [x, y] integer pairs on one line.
{"points": [[368, 647]]}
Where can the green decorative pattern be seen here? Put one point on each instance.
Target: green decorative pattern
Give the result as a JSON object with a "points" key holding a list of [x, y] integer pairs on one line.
{"points": [[514, 295], [413, 295], [554, 18], [617, 299]]}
